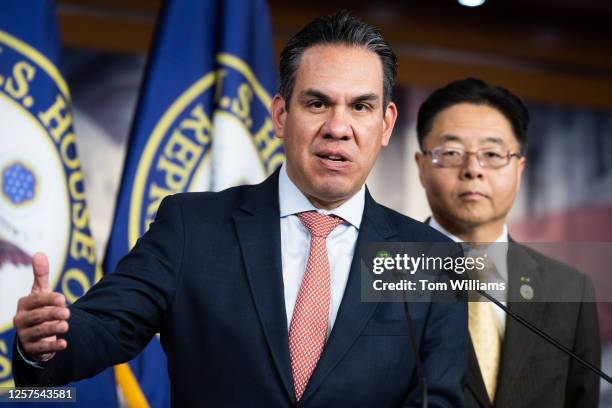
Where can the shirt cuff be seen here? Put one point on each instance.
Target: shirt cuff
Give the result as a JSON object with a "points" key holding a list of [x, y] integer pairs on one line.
{"points": [[27, 360]]}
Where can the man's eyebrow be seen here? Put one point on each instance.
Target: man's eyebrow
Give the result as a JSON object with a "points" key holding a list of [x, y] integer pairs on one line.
{"points": [[369, 97], [454, 138], [494, 139], [451, 138], [314, 93]]}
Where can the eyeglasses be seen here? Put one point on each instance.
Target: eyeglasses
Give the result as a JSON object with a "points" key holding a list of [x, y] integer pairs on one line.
{"points": [[492, 158]]}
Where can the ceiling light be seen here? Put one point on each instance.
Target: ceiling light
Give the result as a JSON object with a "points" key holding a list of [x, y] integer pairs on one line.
{"points": [[471, 3]]}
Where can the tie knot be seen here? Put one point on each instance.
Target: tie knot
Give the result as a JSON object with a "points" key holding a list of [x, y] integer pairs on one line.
{"points": [[488, 273], [319, 225]]}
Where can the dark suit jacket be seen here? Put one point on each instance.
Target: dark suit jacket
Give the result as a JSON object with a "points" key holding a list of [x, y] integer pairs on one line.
{"points": [[208, 277], [532, 372]]}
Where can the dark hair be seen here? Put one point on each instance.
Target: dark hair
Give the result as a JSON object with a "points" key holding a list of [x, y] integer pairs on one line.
{"points": [[344, 29], [478, 92]]}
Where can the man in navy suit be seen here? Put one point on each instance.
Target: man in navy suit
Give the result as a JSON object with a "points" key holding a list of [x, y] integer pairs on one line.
{"points": [[256, 290]]}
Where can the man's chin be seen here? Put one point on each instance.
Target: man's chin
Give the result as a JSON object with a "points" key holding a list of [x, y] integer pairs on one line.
{"points": [[475, 222], [332, 193], [470, 219]]}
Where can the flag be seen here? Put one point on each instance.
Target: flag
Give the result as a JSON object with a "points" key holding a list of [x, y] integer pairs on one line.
{"points": [[42, 195], [567, 197], [202, 123]]}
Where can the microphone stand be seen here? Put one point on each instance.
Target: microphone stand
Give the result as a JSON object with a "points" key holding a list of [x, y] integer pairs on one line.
{"points": [[546, 337]]}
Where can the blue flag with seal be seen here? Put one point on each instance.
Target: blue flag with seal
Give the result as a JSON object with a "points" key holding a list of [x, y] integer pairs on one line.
{"points": [[202, 123], [42, 197]]}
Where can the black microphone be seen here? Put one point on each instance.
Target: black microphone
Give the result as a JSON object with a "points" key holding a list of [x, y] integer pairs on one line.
{"points": [[546, 337]]}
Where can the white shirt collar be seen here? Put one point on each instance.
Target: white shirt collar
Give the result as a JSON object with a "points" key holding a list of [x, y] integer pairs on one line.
{"points": [[434, 224], [292, 201]]}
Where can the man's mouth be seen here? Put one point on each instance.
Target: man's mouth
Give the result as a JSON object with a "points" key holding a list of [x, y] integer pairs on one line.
{"points": [[334, 160], [472, 195], [332, 157]]}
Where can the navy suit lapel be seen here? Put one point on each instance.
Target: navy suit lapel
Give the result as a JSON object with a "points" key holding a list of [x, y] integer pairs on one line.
{"points": [[258, 229], [353, 314], [517, 343]]}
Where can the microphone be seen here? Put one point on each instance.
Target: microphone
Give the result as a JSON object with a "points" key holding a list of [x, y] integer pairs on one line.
{"points": [[546, 337]]}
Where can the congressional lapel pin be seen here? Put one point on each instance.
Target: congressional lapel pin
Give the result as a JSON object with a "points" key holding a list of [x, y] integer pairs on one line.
{"points": [[526, 291], [383, 254]]}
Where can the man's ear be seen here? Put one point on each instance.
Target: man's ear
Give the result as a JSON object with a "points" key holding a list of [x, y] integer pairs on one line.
{"points": [[519, 170], [420, 161], [388, 123], [279, 114]]}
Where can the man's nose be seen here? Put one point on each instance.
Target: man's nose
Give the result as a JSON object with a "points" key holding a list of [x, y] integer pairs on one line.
{"points": [[338, 125], [471, 168]]}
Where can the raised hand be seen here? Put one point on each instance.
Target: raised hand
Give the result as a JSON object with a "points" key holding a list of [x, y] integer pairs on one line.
{"points": [[41, 315]]}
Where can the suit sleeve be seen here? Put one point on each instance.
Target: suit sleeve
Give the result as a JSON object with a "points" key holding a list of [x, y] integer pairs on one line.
{"points": [[445, 344], [119, 315], [444, 354], [582, 390]]}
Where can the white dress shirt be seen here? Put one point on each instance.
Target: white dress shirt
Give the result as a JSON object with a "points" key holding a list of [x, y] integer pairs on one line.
{"points": [[295, 243], [498, 254]]}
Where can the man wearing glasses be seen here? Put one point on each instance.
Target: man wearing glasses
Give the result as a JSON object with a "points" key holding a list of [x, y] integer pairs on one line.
{"points": [[472, 138]]}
